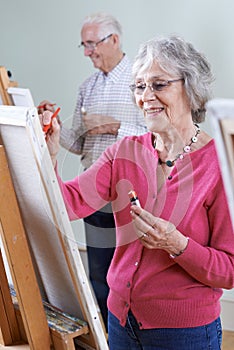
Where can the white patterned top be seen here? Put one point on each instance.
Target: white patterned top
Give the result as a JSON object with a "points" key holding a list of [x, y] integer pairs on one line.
{"points": [[108, 95]]}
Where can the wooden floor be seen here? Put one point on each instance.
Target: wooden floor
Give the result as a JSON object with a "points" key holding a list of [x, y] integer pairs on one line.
{"points": [[228, 340], [228, 343]]}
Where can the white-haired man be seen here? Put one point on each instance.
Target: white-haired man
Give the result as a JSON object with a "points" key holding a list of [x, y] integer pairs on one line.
{"points": [[104, 113]]}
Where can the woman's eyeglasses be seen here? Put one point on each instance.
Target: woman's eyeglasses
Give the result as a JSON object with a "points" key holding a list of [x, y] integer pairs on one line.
{"points": [[155, 86]]}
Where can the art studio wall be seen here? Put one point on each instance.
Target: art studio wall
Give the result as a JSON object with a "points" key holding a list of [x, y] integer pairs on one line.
{"points": [[39, 45]]}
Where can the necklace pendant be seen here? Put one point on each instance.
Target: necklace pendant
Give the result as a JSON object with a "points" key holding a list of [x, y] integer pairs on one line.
{"points": [[169, 163], [187, 149]]}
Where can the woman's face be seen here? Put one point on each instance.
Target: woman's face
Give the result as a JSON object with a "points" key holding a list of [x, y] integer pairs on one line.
{"points": [[163, 102]]}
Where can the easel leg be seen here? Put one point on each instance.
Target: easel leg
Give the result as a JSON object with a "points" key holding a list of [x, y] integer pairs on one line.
{"points": [[9, 332]]}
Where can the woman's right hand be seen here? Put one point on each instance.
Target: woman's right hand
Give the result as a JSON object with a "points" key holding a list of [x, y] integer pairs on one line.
{"points": [[45, 105], [52, 136]]}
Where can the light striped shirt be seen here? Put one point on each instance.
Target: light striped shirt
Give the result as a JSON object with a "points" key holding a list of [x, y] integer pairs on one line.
{"points": [[106, 94]]}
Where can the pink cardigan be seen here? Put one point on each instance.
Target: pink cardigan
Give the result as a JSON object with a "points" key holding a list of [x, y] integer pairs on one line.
{"points": [[161, 292]]}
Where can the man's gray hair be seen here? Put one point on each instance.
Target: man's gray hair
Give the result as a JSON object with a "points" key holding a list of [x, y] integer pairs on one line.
{"points": [[108, 24], [178, 57]]}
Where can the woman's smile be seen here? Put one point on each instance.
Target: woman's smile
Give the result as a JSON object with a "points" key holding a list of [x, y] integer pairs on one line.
{"points": [[153, 111]]}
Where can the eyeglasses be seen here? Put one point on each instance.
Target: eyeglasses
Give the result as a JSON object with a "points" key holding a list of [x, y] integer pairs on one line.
{"points": [[155, 86], [90, 45]]}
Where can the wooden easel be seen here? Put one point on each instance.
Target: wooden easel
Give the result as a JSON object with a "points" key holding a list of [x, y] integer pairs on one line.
{"points": [[22, 272], [11, 331], [5, 83], [34, 312], [30, 324]]}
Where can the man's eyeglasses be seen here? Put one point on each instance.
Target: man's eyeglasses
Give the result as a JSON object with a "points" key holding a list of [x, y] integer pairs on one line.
{"points": [[90, 45], [155, 86]]}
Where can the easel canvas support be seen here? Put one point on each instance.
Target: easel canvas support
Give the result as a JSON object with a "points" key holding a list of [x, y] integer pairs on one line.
{"points": [[46, 222]]}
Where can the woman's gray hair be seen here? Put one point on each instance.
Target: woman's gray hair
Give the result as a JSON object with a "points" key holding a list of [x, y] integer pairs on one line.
{"points": [[176, 56], [108, 24]]}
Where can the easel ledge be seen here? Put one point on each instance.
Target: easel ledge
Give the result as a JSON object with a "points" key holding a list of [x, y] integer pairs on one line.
{"points": [[63, 327]]}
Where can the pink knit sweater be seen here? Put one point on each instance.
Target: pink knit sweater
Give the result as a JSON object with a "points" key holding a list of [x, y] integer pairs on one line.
{"points": [[161, 292]]}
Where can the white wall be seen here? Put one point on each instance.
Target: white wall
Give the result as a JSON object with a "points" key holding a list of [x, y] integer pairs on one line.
{"points": [[39, 39], [39, 45]]}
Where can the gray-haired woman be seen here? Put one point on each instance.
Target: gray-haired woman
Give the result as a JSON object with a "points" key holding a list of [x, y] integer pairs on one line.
{"points": [[174, 256]]}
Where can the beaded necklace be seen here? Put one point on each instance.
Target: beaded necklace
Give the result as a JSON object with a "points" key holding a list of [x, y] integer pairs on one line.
{"points": [[186, 149]]}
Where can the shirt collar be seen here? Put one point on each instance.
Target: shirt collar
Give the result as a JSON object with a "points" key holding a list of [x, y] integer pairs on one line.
{"points": [[116, 73]]}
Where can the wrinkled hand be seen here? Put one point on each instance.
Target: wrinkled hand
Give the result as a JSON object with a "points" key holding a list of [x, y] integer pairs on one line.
{"points": [[45, 105], [156, 233], [100, 124], [53, 135]]}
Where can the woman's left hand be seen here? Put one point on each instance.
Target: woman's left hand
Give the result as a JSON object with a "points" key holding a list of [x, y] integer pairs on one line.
{"points": [[156, 233]]}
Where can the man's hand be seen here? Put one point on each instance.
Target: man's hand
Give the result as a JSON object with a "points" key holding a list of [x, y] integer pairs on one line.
{"points": [[100, 124]]}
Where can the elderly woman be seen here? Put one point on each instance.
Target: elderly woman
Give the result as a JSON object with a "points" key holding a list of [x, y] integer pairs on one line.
{"points": [[175, 252]]}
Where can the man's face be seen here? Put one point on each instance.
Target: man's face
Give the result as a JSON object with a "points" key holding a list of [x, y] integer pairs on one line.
{"points": [[102, 55]]}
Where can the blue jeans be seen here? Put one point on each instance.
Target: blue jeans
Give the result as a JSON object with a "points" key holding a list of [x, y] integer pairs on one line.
{"points": [[130, 337]]}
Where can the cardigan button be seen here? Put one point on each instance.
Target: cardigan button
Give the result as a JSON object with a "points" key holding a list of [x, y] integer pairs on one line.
{"points": [[128, 284]]}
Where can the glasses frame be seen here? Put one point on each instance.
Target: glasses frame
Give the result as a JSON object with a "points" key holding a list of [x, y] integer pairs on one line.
{"points": [[92, 45], [133, 87]]}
